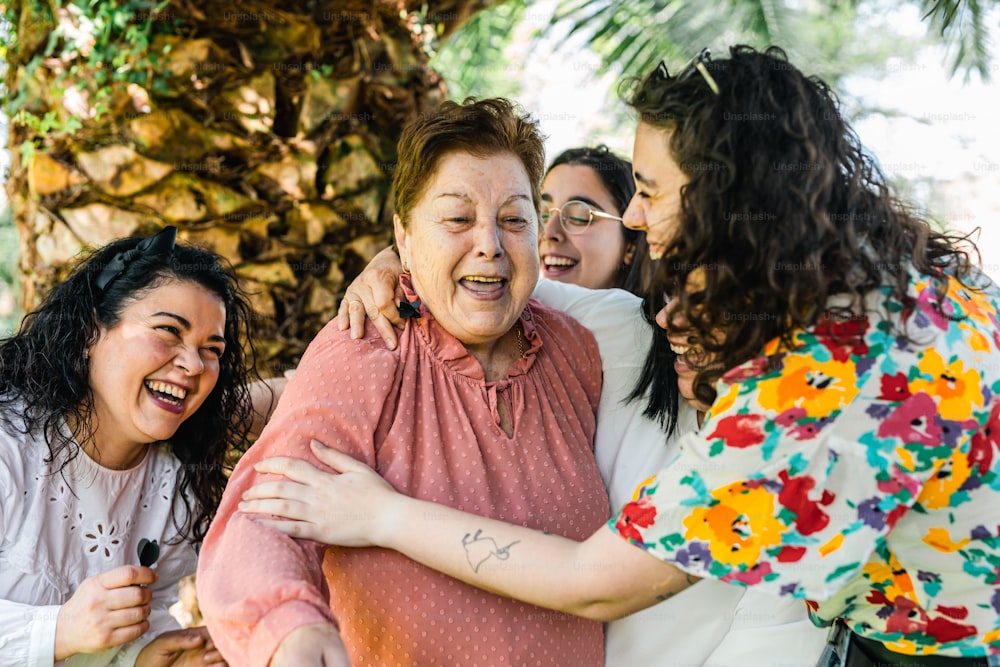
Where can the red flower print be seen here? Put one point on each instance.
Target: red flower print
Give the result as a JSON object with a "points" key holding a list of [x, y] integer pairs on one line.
{"points": [[794, 496], [984, 441], [843, 337], [906, 617], [755, 368], [753, 576], [789, 417], [955, 612], [894, 515], [914, 420], [789, 554], [946, 630], [899, 481], [740, 431], [637, 513], [894, 388]]}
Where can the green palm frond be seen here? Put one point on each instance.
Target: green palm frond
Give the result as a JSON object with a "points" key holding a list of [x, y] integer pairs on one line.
{"points": [[635, 35], [962, 25], [472, 59]]}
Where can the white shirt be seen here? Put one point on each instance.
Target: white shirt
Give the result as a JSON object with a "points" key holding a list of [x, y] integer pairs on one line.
{"points": [[710, 623], [58, 529]]}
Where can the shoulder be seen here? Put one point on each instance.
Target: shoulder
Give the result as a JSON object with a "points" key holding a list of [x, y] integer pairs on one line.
{"points": [[18, 452], [21, 461], [333, 347], [588, 306], [557, 325], [613, 316]]}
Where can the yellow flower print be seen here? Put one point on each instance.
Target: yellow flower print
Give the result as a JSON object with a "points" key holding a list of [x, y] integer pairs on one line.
{"points": [[892, 576], [956, 388], [833, 544], [819, 388], [977, 341], [725, 401], [940, 539], [970, 304], [948, 479], [739, 526]]}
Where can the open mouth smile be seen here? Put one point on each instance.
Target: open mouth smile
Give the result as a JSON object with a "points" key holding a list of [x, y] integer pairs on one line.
{"points": [[484, 287], [168, 396], [554, 265]]}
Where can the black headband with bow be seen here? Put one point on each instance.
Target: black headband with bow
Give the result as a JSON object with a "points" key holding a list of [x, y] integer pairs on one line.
{"points": [[161, 243]]}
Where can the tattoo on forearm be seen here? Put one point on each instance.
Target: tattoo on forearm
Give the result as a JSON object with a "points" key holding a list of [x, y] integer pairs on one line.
{"points": [[479, 549], [690, 580]]}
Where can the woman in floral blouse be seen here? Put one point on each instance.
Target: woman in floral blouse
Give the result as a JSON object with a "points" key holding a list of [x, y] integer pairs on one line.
{"points": [[848, 359]]}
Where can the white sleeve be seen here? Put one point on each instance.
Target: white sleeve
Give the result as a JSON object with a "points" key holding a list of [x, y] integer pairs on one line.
{"points": [[27, 634], [629, 447]]}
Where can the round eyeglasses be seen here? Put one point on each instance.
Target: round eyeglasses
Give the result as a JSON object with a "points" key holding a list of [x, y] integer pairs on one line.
{"points": [[575, 216]]}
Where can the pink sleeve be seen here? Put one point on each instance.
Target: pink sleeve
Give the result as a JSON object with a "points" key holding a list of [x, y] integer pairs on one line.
{"points": [[256, 585]]}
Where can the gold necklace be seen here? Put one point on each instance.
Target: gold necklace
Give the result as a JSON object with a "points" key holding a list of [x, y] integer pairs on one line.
{"points": [[520, 342]]}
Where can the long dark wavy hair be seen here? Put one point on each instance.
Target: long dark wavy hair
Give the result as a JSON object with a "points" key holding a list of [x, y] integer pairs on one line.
{"points": [[44, 372], [783, 209], [657, 381]]}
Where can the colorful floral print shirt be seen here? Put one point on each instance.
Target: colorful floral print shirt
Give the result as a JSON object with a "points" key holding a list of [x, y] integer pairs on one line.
{"points": [[860, 474]]}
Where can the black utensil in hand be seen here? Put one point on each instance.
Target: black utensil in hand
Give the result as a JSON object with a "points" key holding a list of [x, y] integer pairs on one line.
{"points": [[149, 551]]}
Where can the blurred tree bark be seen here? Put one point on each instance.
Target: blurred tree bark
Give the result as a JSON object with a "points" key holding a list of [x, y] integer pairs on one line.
{"points": [[264, 130]]}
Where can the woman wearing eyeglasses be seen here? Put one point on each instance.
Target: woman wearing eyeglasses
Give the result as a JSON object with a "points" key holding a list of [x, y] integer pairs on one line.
{"points": [[582, 240], [849, 356]]}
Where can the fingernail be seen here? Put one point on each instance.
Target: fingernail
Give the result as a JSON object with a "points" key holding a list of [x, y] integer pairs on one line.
{"points": [[319, 445]]}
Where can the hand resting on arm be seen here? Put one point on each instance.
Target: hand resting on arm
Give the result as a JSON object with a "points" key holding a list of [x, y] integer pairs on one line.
{"points": [[602, 578]]}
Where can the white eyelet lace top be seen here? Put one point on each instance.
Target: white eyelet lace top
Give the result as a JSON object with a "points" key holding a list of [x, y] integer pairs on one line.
{"points": [[58, 529]]}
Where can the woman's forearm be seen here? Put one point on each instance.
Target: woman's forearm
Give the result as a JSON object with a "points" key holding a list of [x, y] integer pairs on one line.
{"points": [[602, 578]]}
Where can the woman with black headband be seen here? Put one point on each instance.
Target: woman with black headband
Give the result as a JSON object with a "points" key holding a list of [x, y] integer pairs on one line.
{"points": [[118, 399]]}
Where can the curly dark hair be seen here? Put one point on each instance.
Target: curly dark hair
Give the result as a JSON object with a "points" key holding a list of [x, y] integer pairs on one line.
{"points": [[783, 207], [44, 373]]}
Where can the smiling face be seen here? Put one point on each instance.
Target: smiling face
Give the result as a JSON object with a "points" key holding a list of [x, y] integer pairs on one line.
{"points": [[656, 206], [471, 245], [591, 259], [155, 367]]}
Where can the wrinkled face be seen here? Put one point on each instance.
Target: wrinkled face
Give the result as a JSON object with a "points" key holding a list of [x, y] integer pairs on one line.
{"points": [[154, 369], [656, 206], [590, 259], [471, 245]]}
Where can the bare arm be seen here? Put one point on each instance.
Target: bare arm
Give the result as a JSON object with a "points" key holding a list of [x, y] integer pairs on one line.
{"points": [[602, 578]]}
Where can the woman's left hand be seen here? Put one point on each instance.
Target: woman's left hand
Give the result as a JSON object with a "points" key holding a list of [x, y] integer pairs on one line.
{"points": [[177, 648], [350, 508]]}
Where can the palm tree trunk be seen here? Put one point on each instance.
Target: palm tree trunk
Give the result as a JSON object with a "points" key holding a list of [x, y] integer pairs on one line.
{"points": [[264, 130]]}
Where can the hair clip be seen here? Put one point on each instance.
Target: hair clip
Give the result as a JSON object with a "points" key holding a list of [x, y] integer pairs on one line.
{"points": [[408, 309], [148, 551], [160, 243]]}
